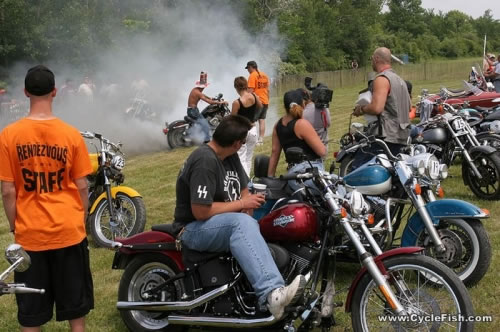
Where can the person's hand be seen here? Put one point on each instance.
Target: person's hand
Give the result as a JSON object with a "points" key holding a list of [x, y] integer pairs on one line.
{"points": [[224, 102], [358, 111], [252, 201]]}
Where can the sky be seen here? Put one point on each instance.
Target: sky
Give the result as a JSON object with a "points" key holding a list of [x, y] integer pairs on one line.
{"points": [[474, 8]]}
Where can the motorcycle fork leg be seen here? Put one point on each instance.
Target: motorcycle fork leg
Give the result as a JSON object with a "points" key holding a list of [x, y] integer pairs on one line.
{"points": [[112, 217], [429, 225]]}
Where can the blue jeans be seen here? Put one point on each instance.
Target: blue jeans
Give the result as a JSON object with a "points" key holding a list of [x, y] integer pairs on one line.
{"points": [[200, 121], [240, 234], [300, 168], [496, 84]]}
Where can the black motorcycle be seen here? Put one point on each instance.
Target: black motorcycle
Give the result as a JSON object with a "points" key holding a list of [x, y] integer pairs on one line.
{"points": [[186, 132]]}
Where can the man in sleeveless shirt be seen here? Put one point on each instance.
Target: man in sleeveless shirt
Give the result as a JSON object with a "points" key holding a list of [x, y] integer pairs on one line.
{"points": [[390, 103]]}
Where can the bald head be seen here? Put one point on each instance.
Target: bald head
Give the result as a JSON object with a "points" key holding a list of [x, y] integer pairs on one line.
{"points": [[383, 55]]}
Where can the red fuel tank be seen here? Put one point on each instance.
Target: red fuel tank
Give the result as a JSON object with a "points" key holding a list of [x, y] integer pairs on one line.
{"points": [[296, 222]]}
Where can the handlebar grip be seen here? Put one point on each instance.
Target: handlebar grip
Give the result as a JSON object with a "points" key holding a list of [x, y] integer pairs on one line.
{"points": [[291, 176]]}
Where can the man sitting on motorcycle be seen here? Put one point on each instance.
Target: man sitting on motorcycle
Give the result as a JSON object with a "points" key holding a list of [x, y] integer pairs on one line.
{"points": [[212, 209], [195, 96], [390, 103]]}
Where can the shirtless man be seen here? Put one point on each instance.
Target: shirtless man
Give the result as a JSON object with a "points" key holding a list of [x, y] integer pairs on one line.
{"points": [[194, 97]]}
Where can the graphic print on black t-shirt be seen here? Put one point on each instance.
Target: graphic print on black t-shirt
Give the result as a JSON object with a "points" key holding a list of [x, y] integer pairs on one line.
{"points": [[205, 179]]}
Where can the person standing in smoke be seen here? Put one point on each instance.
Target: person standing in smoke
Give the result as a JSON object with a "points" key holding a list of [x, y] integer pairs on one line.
{"points": [[44, 165], [86, 90], [258, 82], [195, 96]]}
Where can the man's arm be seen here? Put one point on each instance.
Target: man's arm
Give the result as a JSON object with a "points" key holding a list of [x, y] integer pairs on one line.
{"points": [[83, 190], [381, 88], [9, 203], [210, 101], [204, 212]]}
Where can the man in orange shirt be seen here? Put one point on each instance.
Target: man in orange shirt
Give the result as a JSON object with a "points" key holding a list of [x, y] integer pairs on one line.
{"points": [[258, 82], [43, 167]]}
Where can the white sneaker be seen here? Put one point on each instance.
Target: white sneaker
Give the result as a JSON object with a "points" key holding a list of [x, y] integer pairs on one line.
{"points": [[260, 141], [281, 297]]}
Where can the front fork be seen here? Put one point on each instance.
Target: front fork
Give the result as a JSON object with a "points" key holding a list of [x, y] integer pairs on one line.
{"points": [[112, 215], [429, 225]]}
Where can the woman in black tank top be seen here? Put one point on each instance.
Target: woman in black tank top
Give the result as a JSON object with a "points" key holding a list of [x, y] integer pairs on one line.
{"points": [[248, 106], [293, 131]]}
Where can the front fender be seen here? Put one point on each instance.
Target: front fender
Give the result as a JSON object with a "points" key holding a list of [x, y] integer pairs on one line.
{"points": [[378, 260], [441, 209], [486, 149], [115, 190]]}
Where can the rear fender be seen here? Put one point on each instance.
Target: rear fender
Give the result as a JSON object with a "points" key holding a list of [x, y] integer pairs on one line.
{"points": [[114, 190], [177, 124], [378, 260], [441, 209], [146, 242]]}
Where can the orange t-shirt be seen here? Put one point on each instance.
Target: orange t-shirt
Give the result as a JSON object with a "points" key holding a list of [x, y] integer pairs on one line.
{"points": [[259, 82], [42, 158]]}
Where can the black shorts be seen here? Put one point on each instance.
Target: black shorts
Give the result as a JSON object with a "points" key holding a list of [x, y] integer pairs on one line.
{"points": [[263, 112], [65, 275]]}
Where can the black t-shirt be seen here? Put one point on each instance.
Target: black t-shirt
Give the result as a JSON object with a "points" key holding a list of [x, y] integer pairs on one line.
{"points": [[205, 179]]}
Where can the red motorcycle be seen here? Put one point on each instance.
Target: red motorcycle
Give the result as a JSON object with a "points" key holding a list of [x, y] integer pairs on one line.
{"points": [[165, 289]]}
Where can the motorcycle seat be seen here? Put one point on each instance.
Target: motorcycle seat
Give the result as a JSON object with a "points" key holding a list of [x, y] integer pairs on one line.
{"points": [[189, 119], [165, 228], [276, 188], [493, 116]]}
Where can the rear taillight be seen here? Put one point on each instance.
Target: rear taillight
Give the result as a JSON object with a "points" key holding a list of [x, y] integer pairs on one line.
{"points": [[165, 130]]}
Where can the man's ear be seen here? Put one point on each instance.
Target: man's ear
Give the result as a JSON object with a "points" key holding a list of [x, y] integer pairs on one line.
{"points": [[54, 92], [26, 93]]}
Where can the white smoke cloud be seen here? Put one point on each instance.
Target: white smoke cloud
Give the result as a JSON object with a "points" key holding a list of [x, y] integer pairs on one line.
{"points": [[195, 36]]}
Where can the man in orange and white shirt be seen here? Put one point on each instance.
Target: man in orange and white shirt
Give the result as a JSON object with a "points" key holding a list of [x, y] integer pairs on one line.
{"points": [[43, 167], [258, 82]]}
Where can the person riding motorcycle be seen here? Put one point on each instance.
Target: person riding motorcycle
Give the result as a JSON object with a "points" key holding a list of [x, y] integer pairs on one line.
{"points": [[195, 96], [390, 103], [213, 211]]}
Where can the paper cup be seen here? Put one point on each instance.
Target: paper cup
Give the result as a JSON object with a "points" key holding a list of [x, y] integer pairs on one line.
{"points": [[259, 188]]}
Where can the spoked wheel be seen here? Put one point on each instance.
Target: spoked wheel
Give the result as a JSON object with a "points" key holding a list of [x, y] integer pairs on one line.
{"points": [[488, 187], [422, 300], [130, 214], [468, 248], [143, 274]]}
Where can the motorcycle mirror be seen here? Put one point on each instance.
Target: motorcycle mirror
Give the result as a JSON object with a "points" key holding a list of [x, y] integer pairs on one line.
{"points": [[295, 155], [13, 253]]}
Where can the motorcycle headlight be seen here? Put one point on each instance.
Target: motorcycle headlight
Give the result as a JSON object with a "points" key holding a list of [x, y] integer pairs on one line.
{"points": [[357, 203], [118, 162], [426, 164], [443, 171]]}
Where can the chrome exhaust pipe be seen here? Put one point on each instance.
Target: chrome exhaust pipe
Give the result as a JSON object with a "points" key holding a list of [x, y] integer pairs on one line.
{"points": [[177, 305], [221, 322]]}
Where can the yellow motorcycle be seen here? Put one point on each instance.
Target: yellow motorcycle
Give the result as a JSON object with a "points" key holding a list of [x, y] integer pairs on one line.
{"points": [[114, 211]]}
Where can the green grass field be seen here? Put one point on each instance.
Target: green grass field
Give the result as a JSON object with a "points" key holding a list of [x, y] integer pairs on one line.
{"points": [[154, 176]]}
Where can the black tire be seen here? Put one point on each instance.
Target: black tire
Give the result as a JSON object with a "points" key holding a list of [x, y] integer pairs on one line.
{"points": [[468, 247], [131, 216], [145, 272], [492, 140], [414, 268], [346, 165], [488, 187], [175, 136]]}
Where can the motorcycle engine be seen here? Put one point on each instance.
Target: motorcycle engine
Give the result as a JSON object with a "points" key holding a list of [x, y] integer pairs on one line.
{"points": [[214, 122]]}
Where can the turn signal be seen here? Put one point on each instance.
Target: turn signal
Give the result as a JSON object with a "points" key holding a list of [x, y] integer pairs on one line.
{"points": [[486, 211], [343, 212], [371, 219], [440, 192], [440, 108], [335, 154], [417, 189]]}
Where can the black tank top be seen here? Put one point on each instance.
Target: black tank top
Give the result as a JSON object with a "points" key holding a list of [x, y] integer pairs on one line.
{"points": [[288, 139], [249, 112]]}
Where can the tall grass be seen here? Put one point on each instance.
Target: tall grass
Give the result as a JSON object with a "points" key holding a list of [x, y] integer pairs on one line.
{"points": [[154, 176]]}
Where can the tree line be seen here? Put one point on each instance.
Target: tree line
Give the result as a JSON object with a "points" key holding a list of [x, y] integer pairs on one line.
{"points": [[319, 35]]}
